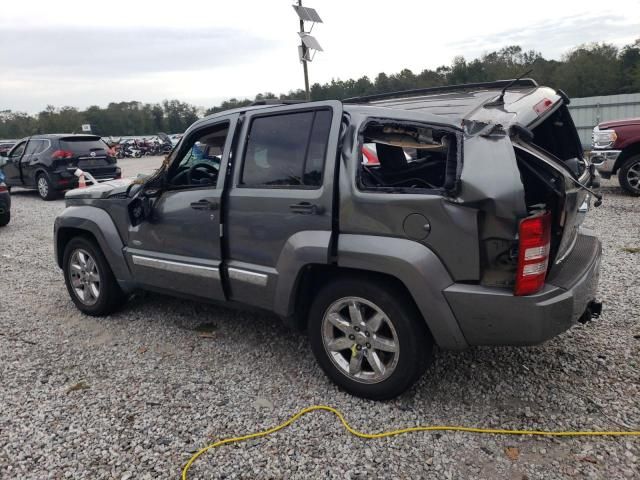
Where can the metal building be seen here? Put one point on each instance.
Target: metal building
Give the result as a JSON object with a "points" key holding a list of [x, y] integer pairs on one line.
{"points": [[587, 112]]}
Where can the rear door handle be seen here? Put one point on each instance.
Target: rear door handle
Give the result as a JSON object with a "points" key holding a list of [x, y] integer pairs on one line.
{"points": [[205, 204], [306, 208]]}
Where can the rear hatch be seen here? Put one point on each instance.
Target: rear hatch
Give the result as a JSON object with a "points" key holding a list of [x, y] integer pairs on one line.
{"points": [[555, 145], [550, 161], [89, 152], [550, 135]]}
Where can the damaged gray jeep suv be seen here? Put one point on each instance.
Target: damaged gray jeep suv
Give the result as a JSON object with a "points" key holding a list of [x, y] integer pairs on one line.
{"points": [[383, 225]]}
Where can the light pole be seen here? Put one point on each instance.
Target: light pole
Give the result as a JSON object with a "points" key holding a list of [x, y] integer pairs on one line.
{"points": [[304, 61], [308, 43]]}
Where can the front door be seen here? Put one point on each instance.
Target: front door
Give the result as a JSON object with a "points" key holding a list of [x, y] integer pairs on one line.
{"points": [[178, 248], [12, 168], [280, 198]]}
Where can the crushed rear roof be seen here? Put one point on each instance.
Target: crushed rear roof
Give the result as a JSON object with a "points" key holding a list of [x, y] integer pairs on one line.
{"points": [[453, 104]]}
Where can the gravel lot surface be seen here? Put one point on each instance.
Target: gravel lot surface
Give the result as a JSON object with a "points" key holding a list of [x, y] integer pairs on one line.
{"points": [[135, 394]]}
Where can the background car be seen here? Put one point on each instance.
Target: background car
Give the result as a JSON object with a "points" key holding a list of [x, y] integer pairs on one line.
{"points": [[6, 145], [47, 162], [616, 150], [5, 201]]}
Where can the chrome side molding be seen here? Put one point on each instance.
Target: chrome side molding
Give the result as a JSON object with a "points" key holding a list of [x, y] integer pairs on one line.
{"points": [[176, 267], [248, 276]]}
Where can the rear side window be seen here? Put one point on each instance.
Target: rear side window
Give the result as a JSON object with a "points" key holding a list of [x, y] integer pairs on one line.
{"points": [[35, 147], [287, 150], [84, 145], [406, 157]]}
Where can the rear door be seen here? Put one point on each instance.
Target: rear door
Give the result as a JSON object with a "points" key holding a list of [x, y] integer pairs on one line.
{"points": [[281, 196]]}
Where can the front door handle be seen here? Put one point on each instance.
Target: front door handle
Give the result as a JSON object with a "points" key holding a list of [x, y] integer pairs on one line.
{"points": [[205, 204], [306, 208]]}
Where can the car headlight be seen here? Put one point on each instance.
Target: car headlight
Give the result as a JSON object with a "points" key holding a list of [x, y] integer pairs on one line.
{"points": [[604, 138]]}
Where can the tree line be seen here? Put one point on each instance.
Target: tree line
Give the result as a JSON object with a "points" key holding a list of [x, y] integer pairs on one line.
{"points": [[587, 70]]}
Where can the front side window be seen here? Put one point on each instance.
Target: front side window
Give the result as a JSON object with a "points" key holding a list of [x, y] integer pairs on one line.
{"points": [[287, 150], [199, 163], [36, 146]]}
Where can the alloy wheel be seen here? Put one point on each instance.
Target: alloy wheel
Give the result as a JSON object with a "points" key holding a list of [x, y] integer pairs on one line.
{"points": [[43, 186], [360, 340], [85, 277], [633, 176]]}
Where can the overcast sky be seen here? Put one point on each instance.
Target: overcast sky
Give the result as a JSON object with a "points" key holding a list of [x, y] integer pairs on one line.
{"points": [[81, 53]]}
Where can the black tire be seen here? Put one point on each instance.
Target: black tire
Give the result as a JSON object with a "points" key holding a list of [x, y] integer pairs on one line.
{"points": [[629, 175], [414, 340], [5, 218], [110, 296], [45, 188]]}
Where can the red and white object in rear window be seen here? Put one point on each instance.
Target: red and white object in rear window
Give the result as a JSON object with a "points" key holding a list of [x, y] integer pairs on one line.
{"points": [[533, 254]]}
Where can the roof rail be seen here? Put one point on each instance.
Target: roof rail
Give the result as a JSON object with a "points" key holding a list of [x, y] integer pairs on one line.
{"points": [[524, 82], [275, 101]]}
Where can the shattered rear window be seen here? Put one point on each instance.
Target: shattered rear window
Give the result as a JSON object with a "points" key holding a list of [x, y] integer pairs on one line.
{"points": [[405, 157]]}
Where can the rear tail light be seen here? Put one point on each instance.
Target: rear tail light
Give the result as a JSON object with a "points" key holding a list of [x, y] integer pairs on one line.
{"points": [[3, 188], [62, 154], [533, 254]]}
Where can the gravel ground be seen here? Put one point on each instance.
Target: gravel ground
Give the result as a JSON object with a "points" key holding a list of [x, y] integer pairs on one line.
{"points": [[135, 394]]}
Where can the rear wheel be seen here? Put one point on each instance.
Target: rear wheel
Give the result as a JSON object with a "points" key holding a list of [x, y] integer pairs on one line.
{"points": [[45, 188], [629, 175], [368, 337], [5, 218], [89, 279]]}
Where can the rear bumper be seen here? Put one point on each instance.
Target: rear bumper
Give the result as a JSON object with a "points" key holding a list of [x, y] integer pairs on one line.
{"points": [[604, 160], [66, 180], [494, 316]]}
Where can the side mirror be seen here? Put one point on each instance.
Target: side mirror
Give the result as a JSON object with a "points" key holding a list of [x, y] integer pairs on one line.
{"points": [[139, 210]]}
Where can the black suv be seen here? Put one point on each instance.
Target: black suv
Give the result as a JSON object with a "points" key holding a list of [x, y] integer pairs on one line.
{"points": [[47, 162], [5, 203]]}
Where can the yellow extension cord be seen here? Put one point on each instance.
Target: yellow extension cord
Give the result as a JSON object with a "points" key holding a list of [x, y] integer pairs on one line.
{"points": [[353, 431]]}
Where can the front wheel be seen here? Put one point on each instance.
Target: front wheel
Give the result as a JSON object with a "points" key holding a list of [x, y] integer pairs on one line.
{"points": [[368, 337], [629, 175], [89, 279]]}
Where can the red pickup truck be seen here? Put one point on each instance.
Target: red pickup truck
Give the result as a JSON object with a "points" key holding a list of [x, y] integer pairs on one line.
{"points": [[616, 149]]}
